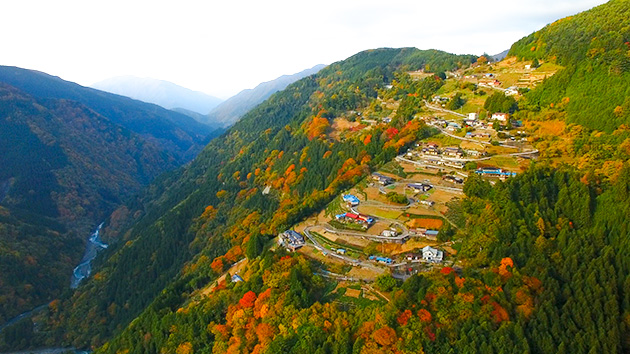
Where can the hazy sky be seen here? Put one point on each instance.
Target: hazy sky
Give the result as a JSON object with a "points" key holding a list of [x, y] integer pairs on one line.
{"points": [[222, 47]]}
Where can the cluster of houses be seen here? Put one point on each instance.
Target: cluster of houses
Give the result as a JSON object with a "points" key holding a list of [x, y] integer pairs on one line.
{"points": [[432, 149], [472, 120], [382, 179], [494, 172], [481, 135], [429, 254], [363, 220], [447, 163], [291, 240]]}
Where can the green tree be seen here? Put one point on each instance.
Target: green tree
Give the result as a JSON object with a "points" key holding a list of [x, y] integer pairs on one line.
{"points": [[386, 282], [254, 246]]}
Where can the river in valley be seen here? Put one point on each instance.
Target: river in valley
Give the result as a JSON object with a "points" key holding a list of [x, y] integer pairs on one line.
{"points": [[80, 272], [84, 268]]}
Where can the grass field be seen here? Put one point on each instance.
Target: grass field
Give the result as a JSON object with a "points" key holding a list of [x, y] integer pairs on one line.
{"points": [[380, 213], [394, 168], [333, 208], [425, 223], [443, 140], [503, 161]]}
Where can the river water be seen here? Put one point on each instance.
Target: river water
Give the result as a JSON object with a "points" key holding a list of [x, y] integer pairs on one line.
{"points": [[84, 268], [79, 273]]}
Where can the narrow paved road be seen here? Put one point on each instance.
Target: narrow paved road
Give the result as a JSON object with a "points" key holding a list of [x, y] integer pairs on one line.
{"points": [[350, 260]]}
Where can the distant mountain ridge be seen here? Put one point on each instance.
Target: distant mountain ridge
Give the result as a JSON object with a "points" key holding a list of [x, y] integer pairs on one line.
{"points": [[163, 93], [500, 56], [231, 110], [177, 133]]}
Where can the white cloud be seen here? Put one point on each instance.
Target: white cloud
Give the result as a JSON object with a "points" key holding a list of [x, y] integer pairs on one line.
{"points": [[223, 47]]}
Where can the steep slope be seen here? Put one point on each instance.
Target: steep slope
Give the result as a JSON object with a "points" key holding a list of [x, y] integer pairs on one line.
{"points": [[64, 168], [214, 208], [162, 93], [228, 112], [544, 252], [543, 259], [175, 132], [594, 48]]}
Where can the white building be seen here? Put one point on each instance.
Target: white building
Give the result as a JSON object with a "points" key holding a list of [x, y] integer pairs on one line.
{"points": [[502, 117], [291, 240], [389, 233], [431, 254], [511, 91], [473, 116]]}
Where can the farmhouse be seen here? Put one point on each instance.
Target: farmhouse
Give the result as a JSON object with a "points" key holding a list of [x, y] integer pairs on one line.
{"points": [[291, 240], [453, 179], [429, 203], [357, 218], [494, 172], [452, 126], [431, 234], [454, 164], [476, 153], [433, 162], [413, 257], [389, 233], [511, 91], [452, 152], [350, 199], [501, 117], [419, 187], [431, 254], [431, 149], [382, 179], [381, 259]]}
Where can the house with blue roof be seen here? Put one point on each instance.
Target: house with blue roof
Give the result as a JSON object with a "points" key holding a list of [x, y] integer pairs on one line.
{"points": [[350, 199]]}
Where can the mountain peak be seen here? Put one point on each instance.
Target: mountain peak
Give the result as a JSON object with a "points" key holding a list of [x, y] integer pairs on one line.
{"points": [[160, 92]]}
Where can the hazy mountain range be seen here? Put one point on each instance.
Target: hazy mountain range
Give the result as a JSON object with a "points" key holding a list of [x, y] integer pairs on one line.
{"points": [[175, 132], [162, 93], [198, 105], [229, 111]]}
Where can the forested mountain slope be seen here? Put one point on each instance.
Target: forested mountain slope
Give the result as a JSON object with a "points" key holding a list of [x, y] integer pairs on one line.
{"points": [[211, 211], [232, 109], [174, 132], [542, 262], [594, 48], [547, 273], [64, 168]]}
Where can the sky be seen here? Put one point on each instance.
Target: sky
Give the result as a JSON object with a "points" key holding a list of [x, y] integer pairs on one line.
{"points": [[223, 47]]}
